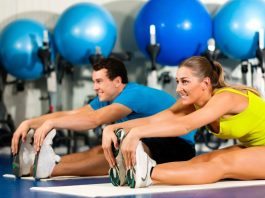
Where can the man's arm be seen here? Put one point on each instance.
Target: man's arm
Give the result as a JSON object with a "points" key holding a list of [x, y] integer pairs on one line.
{"points": [[83, 120], [35, 123]]}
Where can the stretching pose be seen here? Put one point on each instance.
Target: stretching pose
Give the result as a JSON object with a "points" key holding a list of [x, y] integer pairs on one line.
{"points": [[117, 101], [205, 100]]}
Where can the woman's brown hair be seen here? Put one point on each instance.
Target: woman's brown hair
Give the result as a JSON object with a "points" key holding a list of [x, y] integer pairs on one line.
{"points": [[204, 67]]}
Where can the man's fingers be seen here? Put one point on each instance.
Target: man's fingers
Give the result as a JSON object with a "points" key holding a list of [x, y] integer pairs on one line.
{"points": [[14, 145], [36, 141]]}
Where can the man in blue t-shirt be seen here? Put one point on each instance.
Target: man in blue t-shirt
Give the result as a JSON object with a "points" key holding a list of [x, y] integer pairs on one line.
{"points": [[117, 101]]}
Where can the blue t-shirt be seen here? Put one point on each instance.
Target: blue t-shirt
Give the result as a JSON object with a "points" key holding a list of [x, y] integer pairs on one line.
{"points": [[143, 101]]}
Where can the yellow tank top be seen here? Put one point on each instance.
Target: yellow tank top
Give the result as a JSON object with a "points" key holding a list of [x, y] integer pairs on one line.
{"points": [[249, 125]]}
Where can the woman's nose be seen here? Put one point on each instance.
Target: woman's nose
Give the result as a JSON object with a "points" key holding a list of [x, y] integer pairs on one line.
{"points": [[178, 88]]}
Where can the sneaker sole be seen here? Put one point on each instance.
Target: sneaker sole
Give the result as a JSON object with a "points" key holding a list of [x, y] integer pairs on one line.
{"points": [[35, 165], [16, 162], [130, 177], [114, 176]]}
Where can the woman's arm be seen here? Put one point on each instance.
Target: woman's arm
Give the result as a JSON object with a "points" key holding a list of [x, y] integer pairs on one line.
{"points": [[216, 107], [177, 110]]}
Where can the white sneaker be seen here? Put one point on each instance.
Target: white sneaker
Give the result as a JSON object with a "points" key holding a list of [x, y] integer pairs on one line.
{"points": [[24, 159], [46, 158], [140, 174], [118, 173]]}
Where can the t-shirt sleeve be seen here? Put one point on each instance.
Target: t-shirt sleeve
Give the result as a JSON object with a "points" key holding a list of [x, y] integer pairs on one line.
{"points": [[128, 99], [96, 104]]}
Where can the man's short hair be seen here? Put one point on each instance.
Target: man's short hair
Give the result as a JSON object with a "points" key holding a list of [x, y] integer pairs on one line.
{"points": [[114, 68]]}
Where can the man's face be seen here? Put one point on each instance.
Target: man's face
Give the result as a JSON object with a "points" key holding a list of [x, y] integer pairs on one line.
{"points": [[105, 88]]}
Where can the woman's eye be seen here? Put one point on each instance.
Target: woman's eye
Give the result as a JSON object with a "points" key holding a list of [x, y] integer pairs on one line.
{"points": [[185, 82]]}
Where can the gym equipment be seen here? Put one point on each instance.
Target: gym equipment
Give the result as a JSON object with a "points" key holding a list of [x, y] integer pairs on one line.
{"points": [[20, 41], [7, 126], [83, 30], [239, 33], [236, 27], [170, 31]]}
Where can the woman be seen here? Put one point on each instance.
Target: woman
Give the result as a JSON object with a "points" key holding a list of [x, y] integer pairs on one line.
{"points": [[205, 99]]}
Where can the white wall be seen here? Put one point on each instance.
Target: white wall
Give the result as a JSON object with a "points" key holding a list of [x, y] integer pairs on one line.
{"points": [[26, 104]]}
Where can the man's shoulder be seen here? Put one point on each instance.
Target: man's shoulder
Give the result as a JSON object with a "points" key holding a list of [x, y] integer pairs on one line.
{"points": [[134, 85], [143, 90]]}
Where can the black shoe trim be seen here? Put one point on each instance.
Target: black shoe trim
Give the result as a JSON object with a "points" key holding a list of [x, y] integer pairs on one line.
{"points": [[35, 165]]}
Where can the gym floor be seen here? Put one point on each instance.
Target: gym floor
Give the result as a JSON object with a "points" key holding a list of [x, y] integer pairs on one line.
{"points": [[14, 188]]}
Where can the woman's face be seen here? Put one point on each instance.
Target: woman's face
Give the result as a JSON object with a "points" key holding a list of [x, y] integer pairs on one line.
{"points": [[190, 88]]}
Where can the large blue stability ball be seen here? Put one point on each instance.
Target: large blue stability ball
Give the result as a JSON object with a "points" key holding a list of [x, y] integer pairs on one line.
{"points": [[236, 25], [182, 29], [85, 29], [19, 44]]}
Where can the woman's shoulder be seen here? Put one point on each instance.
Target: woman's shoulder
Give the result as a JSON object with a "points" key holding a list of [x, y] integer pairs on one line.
{"points": [[230, 90]]}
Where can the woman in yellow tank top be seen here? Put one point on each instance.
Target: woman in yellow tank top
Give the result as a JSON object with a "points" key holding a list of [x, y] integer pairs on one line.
{"points": [[205, 100]]}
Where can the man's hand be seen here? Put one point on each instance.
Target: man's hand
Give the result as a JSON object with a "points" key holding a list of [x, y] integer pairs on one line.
{"points": [[21, 132], [41, 133]]}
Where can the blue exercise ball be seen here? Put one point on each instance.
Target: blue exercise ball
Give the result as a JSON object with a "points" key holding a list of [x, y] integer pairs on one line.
{"points": [[85, 29], [19, 44], [182, 29], [236, 25]]}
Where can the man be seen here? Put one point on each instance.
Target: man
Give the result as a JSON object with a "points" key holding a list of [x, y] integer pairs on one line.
{"points": [[116, 101]]}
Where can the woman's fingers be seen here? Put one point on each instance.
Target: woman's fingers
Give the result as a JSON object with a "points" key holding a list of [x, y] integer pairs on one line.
{"points": [[107, 142], [128, 148], [127, 153]]}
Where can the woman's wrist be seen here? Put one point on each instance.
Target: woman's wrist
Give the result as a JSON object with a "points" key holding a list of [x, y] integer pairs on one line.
{"points": [[135, 133], [49, 124]]}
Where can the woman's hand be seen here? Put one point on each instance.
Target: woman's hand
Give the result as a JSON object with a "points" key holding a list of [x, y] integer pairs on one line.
{"points": [[109, 138], [21, 132], [41, 133], [128, 148]]}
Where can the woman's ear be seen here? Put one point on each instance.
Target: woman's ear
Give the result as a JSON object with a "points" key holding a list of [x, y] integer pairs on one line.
{"points": [[206, 83]]}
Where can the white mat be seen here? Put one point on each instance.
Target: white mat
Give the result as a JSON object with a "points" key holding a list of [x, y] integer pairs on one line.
{"points": [[107, 189], [11, 176]]}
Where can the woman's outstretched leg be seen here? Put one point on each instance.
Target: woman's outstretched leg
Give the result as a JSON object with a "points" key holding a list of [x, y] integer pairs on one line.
{"points": [[237, 163]]}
